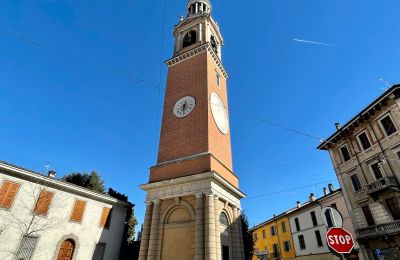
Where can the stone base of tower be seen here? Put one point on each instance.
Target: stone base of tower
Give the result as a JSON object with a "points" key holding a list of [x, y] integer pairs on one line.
{"points": [[193, 217]]}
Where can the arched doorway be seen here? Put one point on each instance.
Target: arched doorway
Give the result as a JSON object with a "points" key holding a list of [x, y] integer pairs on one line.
{"points": [[225, 236], [66, 250]]}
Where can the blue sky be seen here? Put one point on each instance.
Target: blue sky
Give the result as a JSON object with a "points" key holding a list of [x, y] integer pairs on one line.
{"points": [[80, 117]]}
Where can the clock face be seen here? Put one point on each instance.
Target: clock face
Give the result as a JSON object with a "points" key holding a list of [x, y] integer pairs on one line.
{"points": [[219, 113], [184, 106]]}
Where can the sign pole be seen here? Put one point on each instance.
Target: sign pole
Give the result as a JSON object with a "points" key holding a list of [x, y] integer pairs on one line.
{"points": [[344, 258]]}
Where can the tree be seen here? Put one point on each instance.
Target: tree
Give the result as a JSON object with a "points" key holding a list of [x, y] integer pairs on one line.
{"points": [[248, 242], [91, 181], [29, 219]]}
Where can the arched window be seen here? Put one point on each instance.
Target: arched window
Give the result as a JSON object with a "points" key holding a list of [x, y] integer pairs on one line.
{"points": [[189, 39], [66, 250], [223, 219]]}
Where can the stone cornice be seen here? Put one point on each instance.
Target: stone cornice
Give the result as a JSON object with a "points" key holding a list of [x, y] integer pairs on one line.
{"points": [[209, 182], [193, 52]]}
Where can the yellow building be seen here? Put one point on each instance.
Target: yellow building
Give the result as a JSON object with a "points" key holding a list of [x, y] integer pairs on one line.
{"points": [[273, 239]]}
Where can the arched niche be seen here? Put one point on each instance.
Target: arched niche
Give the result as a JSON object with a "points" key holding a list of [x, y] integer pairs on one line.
{"points": [[189, 38]]}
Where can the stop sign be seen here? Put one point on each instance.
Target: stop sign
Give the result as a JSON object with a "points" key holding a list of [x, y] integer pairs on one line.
{"points": [[340, 240]]}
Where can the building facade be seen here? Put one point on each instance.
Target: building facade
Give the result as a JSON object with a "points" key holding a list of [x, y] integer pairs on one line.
{"points": [[365, 153], [273, 239], [193, 198], [44, 218], [309, 231], [299, 233]]}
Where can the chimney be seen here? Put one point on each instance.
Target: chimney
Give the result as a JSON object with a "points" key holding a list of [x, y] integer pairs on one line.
{"points": [[325, 191], [51, 174], [312, 197], [298, 204], [337, 125], [331, 188]]}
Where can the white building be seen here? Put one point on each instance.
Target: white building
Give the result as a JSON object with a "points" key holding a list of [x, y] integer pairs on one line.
{"points": [[308, 229], [43, 218]]}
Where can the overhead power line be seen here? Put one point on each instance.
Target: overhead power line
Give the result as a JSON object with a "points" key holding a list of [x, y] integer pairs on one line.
{"points": [[288, 190], [83, 59], [151, 83], [283, 165]]}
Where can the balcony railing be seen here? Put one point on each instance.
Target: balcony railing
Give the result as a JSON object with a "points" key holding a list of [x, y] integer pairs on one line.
{"points": [[382, 184], [361, 196], [379, 230]]}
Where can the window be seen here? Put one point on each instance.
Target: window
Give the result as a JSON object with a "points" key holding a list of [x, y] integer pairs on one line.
{"points": [[27, 247], [214, 44], [302, 242], [255, 237], [364, 141], [43, 203], [296, 220], [8, 191], [318, 237], [283, 224], [99, 251], [345, 153], [275, 250], [314, 218], [78, 211], [393, 207], [263, 234], [218, 79], [368, 216], [356, 182], [105, 218], [388, 125], [329, 218], [377, 170], [189, 39], [286, 246], [273, 231]]}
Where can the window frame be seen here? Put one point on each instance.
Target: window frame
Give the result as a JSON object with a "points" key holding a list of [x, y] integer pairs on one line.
{"points": [[21, 244], [297, 224], [380, 168], [365, 217], [341, 153], [383, 128], [287, 242], [273, 230], [283, 226], [264, 234], [318, 237], [15, 196], [83, 212], [314, 218], [352, 184], [359, 140], [37, 200], [303, 239]]}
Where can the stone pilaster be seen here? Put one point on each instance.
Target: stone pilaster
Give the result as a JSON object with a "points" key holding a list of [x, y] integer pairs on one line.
{"points": [[153, 241], [199, 228], [235, 235], [217, 229], [210, 228], [240, 235], [144, 244]]}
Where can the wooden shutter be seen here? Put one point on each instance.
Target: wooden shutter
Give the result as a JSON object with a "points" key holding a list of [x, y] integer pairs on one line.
{"points": [[8, 191], [78, 211], [105, 218], [43, 203]]}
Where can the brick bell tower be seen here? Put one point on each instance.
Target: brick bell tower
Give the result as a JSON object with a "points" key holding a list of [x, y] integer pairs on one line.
{"points": [[193, 197]]}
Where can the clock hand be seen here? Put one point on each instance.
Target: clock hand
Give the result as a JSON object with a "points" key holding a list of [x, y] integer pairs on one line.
{"points": [[183, 107]]}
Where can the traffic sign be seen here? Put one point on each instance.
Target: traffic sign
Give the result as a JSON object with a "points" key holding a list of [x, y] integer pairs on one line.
{"points": [[340, 240], [331, 217]]}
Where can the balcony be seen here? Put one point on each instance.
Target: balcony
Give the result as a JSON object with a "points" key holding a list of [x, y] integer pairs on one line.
{"points": [[361, 196], [379, 230], [382, 184]]}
